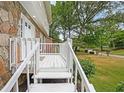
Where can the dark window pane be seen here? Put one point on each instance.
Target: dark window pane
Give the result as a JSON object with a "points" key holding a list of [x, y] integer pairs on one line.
{"points": [[29, 26], [26, 24]]}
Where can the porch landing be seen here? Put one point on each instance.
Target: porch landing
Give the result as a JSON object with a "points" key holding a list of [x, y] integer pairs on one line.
{"points": [[52, 61]]}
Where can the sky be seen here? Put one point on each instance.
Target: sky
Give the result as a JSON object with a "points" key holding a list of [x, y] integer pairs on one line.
{"points": [[53, 2]]}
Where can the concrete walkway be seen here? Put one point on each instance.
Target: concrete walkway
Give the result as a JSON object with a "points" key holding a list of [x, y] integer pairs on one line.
{"points": [[112, 55]]}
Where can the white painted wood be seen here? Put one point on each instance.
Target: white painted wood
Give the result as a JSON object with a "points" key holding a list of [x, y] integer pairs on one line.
{"points": [[81, 72], [53, 75], [50, 48], [92, 88], [75, 76], [37, 55], [34, 67], [28, 78], [54, 70], [27, 32], [14, 54], [28, 29], [82, 86], [20, 69], [52, 61], [40, 16], [56, 87], [70, 55], [16, 50], [10, 53], [17, 86]]}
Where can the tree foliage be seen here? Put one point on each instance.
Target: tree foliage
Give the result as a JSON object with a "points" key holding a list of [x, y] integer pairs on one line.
{"points": [[90, 24]]}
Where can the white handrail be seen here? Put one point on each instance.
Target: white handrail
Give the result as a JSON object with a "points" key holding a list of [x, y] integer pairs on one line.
{"points": [[50, 48], [16, 75], [89, 87]]}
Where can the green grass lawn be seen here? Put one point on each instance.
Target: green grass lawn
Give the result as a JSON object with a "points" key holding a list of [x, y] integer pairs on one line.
{"points": [[118, 52], [109, 72]]}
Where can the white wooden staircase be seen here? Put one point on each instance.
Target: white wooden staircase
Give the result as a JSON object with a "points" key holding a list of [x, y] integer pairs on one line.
{"points": [[53, 61]]}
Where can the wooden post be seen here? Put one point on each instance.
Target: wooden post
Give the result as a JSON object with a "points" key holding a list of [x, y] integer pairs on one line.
{"points": [[34, 67], [14, 52], [70, 55], [37, 56], [82, 85], [28, 78], [26, 50], [10, 53], [75, 75]]}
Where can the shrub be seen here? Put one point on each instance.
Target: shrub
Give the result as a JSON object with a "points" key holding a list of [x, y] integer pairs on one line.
{"points": [[120, 87], [88, 67]]}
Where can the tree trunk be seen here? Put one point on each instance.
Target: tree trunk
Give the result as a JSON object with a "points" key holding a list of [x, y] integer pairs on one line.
{"points": [[101, 48], [69, 31], [69, 34], [64, 36], [75, 49]]}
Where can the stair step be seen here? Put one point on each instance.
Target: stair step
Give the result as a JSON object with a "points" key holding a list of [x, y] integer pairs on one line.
{"points": [[53, 69], [54, 87], [53, 75]]}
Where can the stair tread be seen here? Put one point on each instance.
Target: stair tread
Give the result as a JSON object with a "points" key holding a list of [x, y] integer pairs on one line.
{"points": [[54, 75], [53, 69], [54, 87]]}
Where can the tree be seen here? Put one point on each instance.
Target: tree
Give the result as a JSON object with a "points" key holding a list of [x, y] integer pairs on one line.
{"points": [[118, 40], [88, 19], [64, 19], [81, 18]]}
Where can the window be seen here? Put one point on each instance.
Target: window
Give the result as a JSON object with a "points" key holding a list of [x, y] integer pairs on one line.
{"points": [[26, 24], [29, 26]]}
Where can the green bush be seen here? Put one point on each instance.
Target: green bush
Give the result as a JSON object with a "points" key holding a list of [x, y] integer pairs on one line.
{"points": [[88, 67], [120, 87]]}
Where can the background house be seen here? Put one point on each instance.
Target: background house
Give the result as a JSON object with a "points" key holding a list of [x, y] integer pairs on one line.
{"points": [[24, 19]]}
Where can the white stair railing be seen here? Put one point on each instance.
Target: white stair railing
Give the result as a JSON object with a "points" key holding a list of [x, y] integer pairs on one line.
{"points": [[55, 49], [85, 85], [50, 48], [25, 64], [19, 48]]}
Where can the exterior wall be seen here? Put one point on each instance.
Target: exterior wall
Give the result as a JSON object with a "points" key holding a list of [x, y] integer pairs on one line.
{"points": [[10, 13], [44, 18], [40, 17]]}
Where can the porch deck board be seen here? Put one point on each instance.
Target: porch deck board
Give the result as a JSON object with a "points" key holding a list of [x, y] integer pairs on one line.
{"points": [[52, 61], [58, 87]]}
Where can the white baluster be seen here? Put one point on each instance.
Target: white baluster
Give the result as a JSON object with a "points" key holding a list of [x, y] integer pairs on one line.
{"points": [[28, 78], [10, 52], [75, 75], [14, 53], [34, 67], [82, 85], [17, 86]]}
